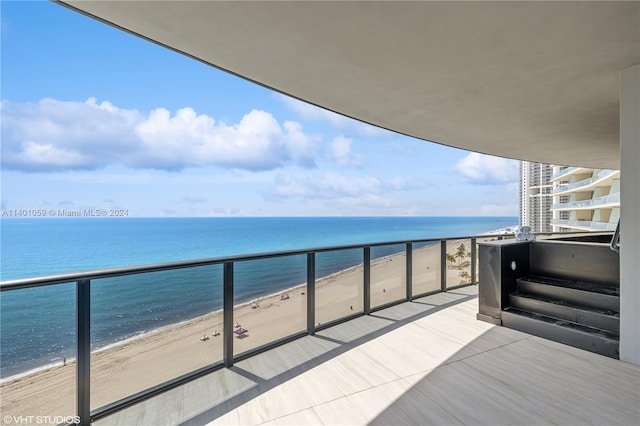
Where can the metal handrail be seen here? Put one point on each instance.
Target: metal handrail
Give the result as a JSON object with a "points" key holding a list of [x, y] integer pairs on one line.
{"points": [[615, 240]]}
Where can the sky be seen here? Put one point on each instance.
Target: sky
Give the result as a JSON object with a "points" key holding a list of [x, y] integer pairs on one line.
{"points": [[95, 118]]}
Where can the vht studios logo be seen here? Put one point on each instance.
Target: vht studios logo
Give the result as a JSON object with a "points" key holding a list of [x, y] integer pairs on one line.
{"points": [[40, 420]]}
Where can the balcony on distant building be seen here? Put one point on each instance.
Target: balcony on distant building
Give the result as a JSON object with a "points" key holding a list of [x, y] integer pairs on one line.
{"points": [[607, 201], [600, 178]]}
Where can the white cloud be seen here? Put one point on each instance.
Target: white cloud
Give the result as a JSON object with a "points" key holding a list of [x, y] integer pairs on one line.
{"points": [[331, 186], [324, 185], [63, 135], [488, 170], [340, 151]]}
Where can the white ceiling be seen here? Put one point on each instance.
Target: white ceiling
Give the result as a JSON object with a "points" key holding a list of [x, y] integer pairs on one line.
{"points": [[528, 80]]}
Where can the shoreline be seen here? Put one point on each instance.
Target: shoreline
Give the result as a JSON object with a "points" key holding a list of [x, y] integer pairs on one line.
{"points": [[168, 327]]}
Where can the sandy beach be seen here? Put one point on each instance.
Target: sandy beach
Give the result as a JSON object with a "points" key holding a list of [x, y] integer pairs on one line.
{"points": [[154, 357]]}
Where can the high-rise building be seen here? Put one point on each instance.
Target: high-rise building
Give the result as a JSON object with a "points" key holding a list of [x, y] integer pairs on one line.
{"points": [[535, 195], [585, 199], [559, 198]]}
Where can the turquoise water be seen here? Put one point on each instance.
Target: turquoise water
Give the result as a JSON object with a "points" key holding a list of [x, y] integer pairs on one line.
{"points": [[37, 325]]}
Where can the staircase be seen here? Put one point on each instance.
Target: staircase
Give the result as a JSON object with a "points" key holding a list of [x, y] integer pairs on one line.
{"points": [[580, 314], [571, 295]]}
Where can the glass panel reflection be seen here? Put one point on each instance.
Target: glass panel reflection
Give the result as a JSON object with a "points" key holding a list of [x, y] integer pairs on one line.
{"points": [[425, 276], [458, 262], [149, 328], [339, 284], [38, 343], [270, 301], [388, 274]]}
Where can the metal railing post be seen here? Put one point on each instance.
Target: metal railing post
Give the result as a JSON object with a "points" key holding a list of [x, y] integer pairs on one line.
{"points": [[474, 254], [311, 293], [443, 265], [83, 351], [367, 280], [409, 268], [227, 313]]}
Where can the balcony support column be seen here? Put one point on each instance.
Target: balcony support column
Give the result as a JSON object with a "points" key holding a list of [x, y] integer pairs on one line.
{"points": [[443, 265], [83, 351], [227, 314], [311, 293], [629, 213], [474, 254], [409, 271], [367, 280]]}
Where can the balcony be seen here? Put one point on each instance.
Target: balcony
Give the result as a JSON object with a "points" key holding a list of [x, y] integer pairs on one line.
{"points": [[607, 201], [313, 297], [586, 184], [565, 173], [584, 225], [370, 344]]}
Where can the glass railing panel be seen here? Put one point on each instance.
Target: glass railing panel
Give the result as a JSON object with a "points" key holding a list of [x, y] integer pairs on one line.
{"points": [[150, 328], [458, 260], [339, 284], [610, 199], [564, 172], [603, 174], [572, 186], [606, 173], [425, 271], [38, 362], [388, 274], [585, 225], [270, 300]]}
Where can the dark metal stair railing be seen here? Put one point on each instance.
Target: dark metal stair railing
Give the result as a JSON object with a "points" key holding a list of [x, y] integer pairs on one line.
{"points": [[615, 240]]}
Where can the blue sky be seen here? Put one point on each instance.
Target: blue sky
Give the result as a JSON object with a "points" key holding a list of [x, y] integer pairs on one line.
{"points": [[96, 118]]}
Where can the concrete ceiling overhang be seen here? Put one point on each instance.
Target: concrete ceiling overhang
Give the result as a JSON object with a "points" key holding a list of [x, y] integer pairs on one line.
{"points": [[527, 80]]}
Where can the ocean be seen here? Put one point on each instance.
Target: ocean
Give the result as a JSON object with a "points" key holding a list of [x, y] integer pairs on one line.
{"points": [[37, 325]]}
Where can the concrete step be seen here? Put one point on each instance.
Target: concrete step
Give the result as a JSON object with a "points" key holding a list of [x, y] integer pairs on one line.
{"points": [[571, 292], [592, 317], [569, 333]]}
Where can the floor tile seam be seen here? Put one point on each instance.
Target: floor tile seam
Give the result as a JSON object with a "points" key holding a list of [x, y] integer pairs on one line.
{"points": [[312, 406], [486, 351]]}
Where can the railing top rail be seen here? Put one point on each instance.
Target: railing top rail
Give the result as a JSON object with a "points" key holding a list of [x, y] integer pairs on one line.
{"points": [[61, 278], [563, 172]]}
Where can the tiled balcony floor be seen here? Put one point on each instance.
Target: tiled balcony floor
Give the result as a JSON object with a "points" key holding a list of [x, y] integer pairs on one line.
{"points": [[425, 362]]}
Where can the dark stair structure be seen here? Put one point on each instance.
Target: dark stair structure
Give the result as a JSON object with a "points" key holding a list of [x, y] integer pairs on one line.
{"points": [[565, 291]]}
